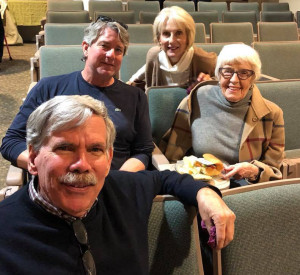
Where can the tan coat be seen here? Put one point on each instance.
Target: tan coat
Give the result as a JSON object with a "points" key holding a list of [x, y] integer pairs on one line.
{"points": [[262, 141]]}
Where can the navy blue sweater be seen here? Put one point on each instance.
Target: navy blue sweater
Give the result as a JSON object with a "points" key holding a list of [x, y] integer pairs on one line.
{"points": [[33, 241], [127, 107]]}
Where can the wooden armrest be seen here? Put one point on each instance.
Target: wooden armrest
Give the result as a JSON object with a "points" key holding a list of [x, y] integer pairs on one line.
{"points": [[15, 176], [40, 39], [34, 68], [158, 158], [265, 77]]}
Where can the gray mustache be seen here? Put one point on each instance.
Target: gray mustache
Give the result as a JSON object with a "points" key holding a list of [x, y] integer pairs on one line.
{"points": [[78, 179]]}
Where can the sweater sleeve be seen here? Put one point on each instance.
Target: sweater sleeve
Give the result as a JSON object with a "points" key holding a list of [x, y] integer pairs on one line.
{"points": [[142, 146]]}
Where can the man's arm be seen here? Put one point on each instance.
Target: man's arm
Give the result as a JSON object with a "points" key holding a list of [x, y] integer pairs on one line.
{"points": [[212, 208], [214, 211]]}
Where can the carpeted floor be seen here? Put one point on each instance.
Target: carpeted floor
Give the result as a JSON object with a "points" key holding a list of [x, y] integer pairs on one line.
{"points": [[14, 83]]}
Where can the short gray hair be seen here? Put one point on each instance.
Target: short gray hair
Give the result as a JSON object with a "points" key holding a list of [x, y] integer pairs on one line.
{"points": [[95, 29], [65, 113], [236, 54]]}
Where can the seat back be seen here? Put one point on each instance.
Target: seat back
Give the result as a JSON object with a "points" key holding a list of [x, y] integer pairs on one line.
{"points": [[266, 237], [279, 59], [241, 16], [160, 98], [64, 33], [104, 6], [200, 36], [67, 17], [140, 33], [276, 16], [173, 238], [147, 17], [205, 17], [213, 47], [277, 31], [134, 59], [57, 60], [265, 6], [56, 5], [298, 18], [286, 94], [138, 6], [235, 6], [231, 32], [126, 17], [186, 5], [213, 6]]}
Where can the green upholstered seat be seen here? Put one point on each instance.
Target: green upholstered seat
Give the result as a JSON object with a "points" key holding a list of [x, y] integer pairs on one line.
{"points": [[277, 31], [64, 33], [236, 6], [213, 47], [104, 6], [186, 5], [59, 5], [57, 60], [286, 94], [147, 17], [205, 17], [213, 6], [279, 59], [138, 6], [266, 239], [241, 16], [200, 36], [163, 102], [67, 17], [276, 16], [126, 17], [173, 238], [134, 59], [231, 32], [265, 6], [140, 33]]}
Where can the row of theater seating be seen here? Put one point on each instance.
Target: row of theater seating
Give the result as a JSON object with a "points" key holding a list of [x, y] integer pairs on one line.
{"points": [[72, 34], [61, 12]]}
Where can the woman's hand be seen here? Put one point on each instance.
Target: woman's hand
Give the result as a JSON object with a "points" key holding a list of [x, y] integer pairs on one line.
{"points": [[241, 170], [203, 77]]}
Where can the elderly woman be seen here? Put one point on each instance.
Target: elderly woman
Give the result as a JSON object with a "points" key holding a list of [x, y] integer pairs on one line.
{"points": [[232, 120], [175, 61]]}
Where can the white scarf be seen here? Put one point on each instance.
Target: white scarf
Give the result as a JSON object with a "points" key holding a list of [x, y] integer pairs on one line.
{"points": [[177, 74]]}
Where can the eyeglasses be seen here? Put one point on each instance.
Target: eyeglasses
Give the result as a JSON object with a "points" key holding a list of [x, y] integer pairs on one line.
{"points": [[242, 74], [107, 19], [82, 238]]}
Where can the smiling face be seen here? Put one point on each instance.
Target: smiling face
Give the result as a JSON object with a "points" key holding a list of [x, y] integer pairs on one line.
{"points": [[173, 40], [103, 58], [235, 89], [80, 151]]}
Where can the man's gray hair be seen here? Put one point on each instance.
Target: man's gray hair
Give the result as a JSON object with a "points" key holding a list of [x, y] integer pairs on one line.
{"points": [[95, 29], [65, 113]]}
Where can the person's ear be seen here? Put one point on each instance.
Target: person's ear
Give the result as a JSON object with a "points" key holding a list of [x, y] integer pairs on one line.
{"points": [[110, 153], [85, 47], [32, 169]]}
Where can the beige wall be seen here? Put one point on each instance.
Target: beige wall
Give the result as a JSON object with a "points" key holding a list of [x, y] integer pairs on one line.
{"points": [[294, 4]]}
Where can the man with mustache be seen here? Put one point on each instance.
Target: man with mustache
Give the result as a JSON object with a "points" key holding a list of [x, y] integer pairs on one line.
{"points": [[76, 217], [105, 42]]}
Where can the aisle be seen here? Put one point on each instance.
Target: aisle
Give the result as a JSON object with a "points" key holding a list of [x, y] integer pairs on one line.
{"points": [[14, 82]]}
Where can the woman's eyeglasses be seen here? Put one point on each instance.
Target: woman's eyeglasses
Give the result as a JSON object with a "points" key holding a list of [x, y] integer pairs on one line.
{"points": [[107, 19], [82, 238], [242, 74]]}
